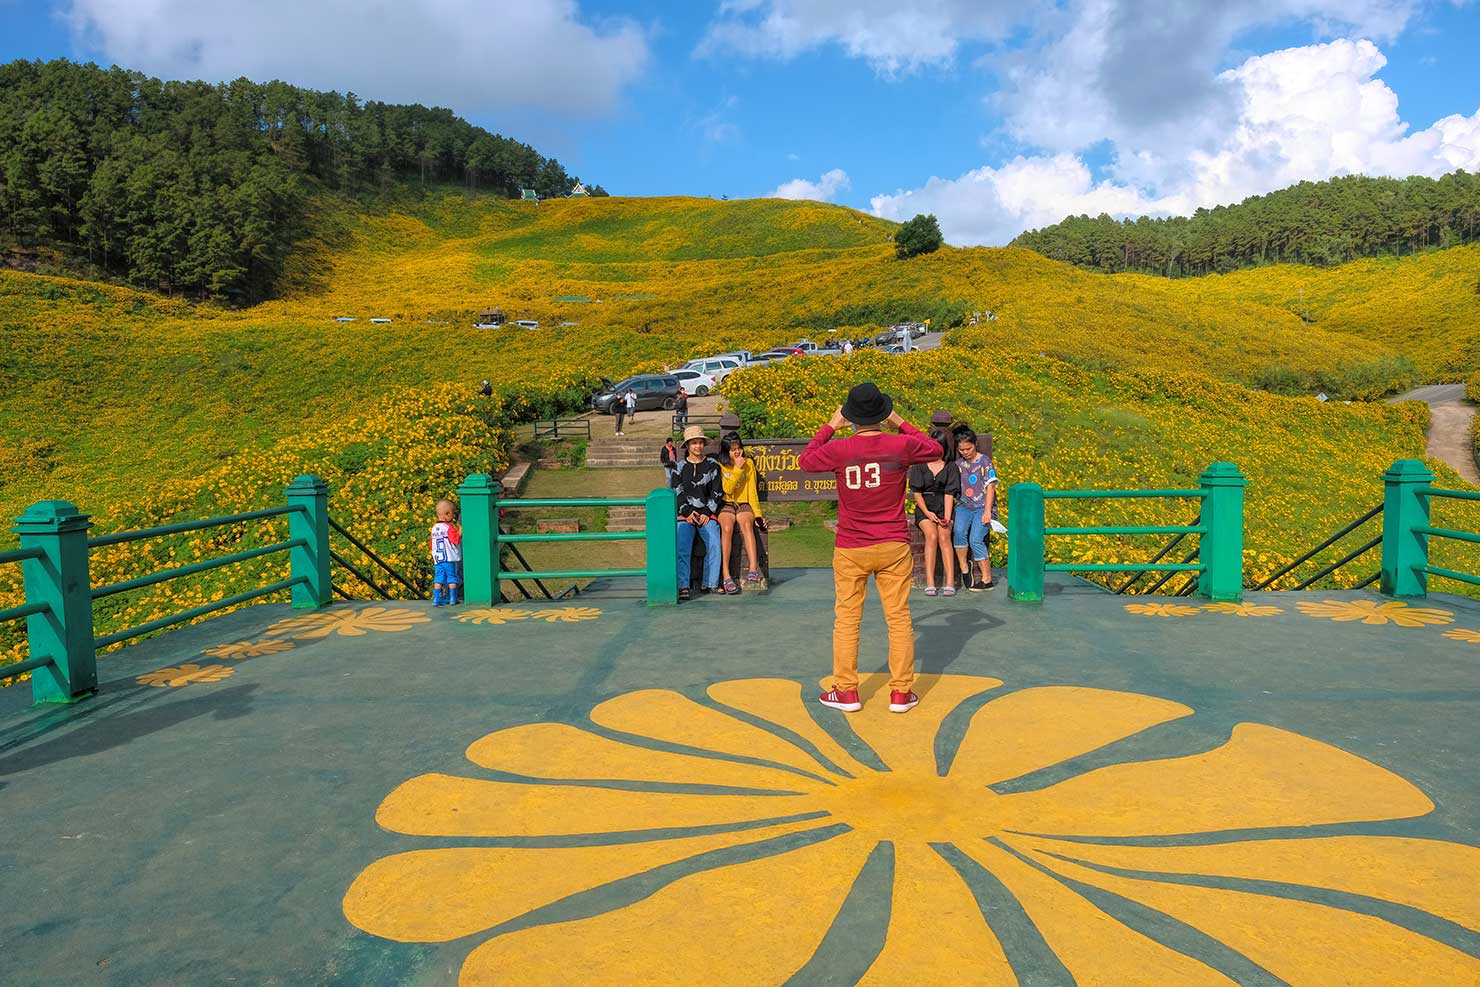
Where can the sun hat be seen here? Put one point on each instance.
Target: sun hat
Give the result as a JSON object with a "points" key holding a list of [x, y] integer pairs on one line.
{"points": [[694, 432], [867, 405]]}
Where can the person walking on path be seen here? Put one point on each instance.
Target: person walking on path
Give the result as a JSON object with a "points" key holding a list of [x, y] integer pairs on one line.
{"points": [[681, 408], [936, 485], [978, 505], [873, 537], [631, 401], [697, 483]]}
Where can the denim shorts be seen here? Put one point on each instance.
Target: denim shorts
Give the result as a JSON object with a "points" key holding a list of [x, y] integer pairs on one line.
{"points": [[445, 574]]}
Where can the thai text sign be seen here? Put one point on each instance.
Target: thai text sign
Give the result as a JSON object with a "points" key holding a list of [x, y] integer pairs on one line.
{"points": [[782, 474]]}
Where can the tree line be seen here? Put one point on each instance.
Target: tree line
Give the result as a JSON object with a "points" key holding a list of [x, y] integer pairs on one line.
{"points": [[200, 189], [1319, 223]]}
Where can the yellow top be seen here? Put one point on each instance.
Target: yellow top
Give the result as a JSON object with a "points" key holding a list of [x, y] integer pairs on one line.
{"points": [[739, 484]]}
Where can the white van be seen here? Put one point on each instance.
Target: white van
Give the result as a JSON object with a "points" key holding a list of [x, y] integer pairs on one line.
{"points": [[527, 324], [718, 367]]}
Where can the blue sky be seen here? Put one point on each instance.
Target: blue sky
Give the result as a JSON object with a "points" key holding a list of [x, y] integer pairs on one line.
{"points": [[996, 115]]}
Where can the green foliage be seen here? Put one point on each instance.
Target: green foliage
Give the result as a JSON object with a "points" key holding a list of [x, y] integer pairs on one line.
{"points": [[1318, 223], [201, 190], [920, 235]]}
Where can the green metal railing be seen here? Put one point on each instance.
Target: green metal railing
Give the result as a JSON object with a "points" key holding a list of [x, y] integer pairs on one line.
{"points": [[1218, 561], [354, 570], [1345, 560], [483, 567], [55, 558], [1409, 495]]}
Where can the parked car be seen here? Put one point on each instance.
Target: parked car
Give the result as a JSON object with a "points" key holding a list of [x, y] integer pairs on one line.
{"points": [[886, 337], [896, 348], [695, 383], [718, 367], [527, 324], [653, 391], [772, 356], [744, 356]]}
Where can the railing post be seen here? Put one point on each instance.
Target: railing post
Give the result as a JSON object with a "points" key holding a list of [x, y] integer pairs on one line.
{"points": [[1025, 542], [1405, 552], [59, 579], [662, 547], [309, 495], [1222, 547], [478, 498]]}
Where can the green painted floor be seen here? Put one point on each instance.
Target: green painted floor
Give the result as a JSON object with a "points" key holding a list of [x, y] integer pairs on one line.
{"points": [[1202, 795]]}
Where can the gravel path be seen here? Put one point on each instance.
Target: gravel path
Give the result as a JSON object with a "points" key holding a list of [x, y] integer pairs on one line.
{"points": [[1449, 426]]}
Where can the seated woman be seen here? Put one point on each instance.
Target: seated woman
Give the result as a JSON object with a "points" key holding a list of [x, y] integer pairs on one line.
{"points": [[740, 509], [936, 486]]}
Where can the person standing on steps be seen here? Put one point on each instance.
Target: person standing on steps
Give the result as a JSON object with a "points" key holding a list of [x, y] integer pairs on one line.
{"points": [[697, 484], [668, 457], [681, 409], [873, 537], [619, 411], [631, 401], [977, 508]]}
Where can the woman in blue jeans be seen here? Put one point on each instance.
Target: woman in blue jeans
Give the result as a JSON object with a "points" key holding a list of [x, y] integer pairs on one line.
{"points": [[976, 507], [696, 481]]}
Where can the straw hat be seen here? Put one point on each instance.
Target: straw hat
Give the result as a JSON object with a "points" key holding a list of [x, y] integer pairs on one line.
{"points": [[694, 432]]}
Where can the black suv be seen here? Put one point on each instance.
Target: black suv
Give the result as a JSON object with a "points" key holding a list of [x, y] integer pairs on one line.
{"points": [[653, 391]]}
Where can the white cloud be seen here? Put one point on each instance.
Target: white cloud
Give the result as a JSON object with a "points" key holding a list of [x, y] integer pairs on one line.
{"points": [[891, 36], [473, 56], [829, 185], [1306, 113]]}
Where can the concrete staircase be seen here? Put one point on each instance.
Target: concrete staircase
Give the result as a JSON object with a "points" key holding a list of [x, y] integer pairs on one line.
{"points": [[623, 453], [626, 519]]}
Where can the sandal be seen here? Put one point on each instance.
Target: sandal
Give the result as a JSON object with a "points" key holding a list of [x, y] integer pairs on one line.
{"points": [[753, 576], [948, 591], [684, 594], [929, 590], [730, 587]]}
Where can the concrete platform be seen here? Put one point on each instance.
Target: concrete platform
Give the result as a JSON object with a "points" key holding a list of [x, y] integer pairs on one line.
{"points": [[595, 792]]}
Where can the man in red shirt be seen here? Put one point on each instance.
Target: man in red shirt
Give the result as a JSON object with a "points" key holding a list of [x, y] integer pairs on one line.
{"points": [[873, 536]]}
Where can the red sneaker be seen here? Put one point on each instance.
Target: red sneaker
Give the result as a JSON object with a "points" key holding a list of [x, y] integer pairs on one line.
{"points": [[902, 702], [845, 701]]}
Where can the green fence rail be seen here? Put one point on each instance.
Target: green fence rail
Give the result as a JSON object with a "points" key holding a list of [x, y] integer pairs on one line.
{"points": [[1408, 496], [55, 559], [483, 568], [1220, 531]]}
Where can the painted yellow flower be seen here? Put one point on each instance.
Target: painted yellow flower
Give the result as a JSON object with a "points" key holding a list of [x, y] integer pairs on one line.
{"points": [[185, 675], [250, 649], [492, 615], [1461, 634], [347, 622], [1373, 612], [596, 861], [1244, 609], [567, 614], [1162, 609]]}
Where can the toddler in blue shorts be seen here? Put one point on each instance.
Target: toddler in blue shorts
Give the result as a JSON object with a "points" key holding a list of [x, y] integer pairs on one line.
{"points": [[446, 554]]}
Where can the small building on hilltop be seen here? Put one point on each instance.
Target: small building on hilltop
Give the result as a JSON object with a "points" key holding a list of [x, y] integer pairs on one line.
{"points": [[491, 318], [577, 190]]}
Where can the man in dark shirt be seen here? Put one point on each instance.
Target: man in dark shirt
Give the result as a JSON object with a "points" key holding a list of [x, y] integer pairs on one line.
{"points": [[696, 480], [873, 537]]}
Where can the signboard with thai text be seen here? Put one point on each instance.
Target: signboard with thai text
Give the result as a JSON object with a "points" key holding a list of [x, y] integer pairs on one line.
{"points": [[782, 474]]}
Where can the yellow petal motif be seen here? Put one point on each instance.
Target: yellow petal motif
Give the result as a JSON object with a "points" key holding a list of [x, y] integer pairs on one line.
{"points": [[1162, 609], [931, 905], [347, 622], [249, 649], [1372, 612], [446, 805], [1262, 777], [566, 615], [555, 750], [1036, 728], [1296, 940], [1431, 875], [906, 744], [782, 702], [185, 674], [1461, 634], [731, 925], [1095, 948], [439, 895], [492, 615], [676, 719], [1244, 609]]}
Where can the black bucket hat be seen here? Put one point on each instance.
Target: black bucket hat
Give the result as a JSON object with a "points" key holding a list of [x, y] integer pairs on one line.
{"points": [[867, 405]]}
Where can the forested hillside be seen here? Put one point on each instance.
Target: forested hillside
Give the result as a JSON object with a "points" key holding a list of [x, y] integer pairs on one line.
{"points": [[1319, 223], [200, 189]]}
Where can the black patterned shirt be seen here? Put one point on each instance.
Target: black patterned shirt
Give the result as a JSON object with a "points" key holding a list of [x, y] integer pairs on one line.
{"points": [[698, 487]]}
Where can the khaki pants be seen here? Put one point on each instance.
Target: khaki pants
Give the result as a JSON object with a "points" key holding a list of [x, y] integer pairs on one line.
{"points": [[892, 569]]}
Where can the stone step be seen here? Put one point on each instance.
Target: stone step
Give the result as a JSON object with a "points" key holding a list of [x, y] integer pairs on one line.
{"points": [[628, 462]]}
